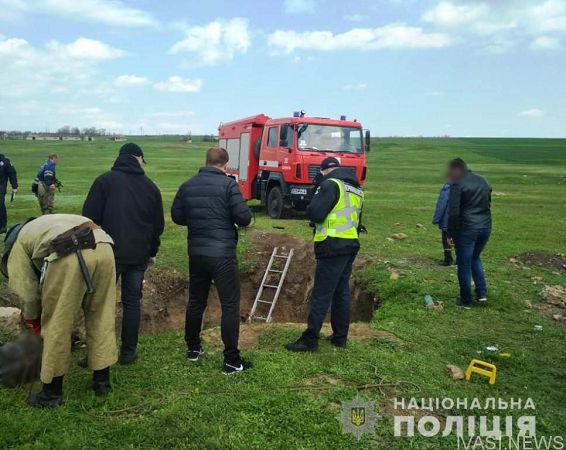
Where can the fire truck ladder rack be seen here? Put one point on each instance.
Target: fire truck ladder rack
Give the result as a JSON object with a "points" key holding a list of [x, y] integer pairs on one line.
{"points": [[277, 285]]}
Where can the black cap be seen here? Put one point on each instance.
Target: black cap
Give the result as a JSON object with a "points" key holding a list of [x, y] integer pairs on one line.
{"points": [[132, 149], [329, 162]]}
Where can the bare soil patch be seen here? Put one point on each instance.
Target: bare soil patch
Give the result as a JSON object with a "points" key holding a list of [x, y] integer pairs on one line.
{"points": [[546, 260], [250, 333], [166, 293]]}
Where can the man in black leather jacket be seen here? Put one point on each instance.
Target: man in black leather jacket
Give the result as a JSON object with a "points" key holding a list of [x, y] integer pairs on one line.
{"points": [[211, 206], [469, 228]]}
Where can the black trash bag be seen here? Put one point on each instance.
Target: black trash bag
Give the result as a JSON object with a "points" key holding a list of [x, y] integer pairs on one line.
{"points": [[20, 360]]}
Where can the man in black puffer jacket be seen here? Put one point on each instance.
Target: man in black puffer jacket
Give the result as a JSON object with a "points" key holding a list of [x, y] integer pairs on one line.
{"points": [[128, 206], [211, 205]]}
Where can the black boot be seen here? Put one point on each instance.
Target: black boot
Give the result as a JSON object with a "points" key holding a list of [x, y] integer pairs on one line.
{"points": [[334, 342], [101, 382], [50, 396], [300, 345], [448, 261]]}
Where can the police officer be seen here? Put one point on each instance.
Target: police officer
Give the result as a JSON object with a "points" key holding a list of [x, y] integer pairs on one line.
{"points": [[7, 172], [336, 212], [46, 183], [52, 288]]}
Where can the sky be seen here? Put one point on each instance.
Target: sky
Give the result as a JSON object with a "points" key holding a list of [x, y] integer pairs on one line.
{"points": [[401, 67]]}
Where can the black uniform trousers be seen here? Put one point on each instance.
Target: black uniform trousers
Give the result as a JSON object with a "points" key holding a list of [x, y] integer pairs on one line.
{"points": [[331, 290]]}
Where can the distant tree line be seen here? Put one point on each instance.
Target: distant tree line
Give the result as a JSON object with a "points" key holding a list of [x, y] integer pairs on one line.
{"points": [[63, 131]]}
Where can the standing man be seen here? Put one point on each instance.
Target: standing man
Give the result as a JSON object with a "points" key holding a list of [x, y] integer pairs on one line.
{"points": [[211, 205], [7, 172], [46, 183], [127, 204], [469, 228], [335, 210], [440, 219], [53, 286]]}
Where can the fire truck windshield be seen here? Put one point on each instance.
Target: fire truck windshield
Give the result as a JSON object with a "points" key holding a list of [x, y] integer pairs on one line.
{"points": [[329, 138]]}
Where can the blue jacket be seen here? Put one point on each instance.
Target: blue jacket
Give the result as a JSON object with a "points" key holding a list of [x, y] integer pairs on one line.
{"points": [[47, 173], [440, 217]]}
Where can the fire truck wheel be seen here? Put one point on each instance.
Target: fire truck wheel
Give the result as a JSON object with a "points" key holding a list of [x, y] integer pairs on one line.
{"points": [[274, 202]]}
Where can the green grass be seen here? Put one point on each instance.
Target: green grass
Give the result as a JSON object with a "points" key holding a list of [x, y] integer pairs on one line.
{"points": [[162, 402]]}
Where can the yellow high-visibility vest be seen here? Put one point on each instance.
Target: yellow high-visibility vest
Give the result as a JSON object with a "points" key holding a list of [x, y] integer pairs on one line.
{"points": [[343, 220]]}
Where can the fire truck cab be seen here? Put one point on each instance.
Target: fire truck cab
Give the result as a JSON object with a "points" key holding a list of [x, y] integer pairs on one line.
{"points": [[277, 160]]}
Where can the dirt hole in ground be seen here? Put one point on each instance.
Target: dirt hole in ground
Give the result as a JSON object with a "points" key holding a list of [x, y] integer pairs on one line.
{"points": [[553, 261], [165, 292]]}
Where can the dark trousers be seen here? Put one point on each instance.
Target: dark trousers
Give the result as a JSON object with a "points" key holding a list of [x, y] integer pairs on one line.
{"points": [[3, 214], [226, 276], [132, 286], [469, 245], [447, 248], [331, 290]]}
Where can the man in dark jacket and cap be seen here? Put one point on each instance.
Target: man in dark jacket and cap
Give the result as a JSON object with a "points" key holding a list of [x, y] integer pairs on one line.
{"points": [[128, 206], [7, 173], [335, 210], [211, 206]]}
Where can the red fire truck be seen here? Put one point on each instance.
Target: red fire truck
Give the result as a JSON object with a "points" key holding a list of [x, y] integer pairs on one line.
{"points": [[276, 160]]}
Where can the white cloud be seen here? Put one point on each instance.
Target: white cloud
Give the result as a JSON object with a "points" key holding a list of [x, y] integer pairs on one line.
{"points": [[533, 112], [548, 16], [394, 36], [178, 84], [58, 67], [299, 6], [545, 43], [449, 14], [84, 48], [130, 81], [171, 114], [355, 87], [498, 27], [216, 41], [109, 12], [355, 17]]}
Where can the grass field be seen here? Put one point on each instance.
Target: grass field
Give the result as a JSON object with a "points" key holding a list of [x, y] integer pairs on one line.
{"points": [[162, 402]]}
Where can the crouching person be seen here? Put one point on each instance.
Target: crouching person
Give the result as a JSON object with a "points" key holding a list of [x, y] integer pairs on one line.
{"points": [[59, 264]]}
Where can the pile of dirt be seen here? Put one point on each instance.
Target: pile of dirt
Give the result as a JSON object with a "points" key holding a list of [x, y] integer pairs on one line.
{"points": [[165, 293], [164, 301], [554, 304], [293, 302], [542, 259]]}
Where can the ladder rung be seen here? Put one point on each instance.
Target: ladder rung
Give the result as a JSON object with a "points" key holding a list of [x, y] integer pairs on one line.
{"points": [[263, 301], [282, 256], [271, 286], [276, 271], [259, 317]]}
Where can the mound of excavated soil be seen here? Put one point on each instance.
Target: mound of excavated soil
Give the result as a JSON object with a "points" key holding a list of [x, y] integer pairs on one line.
{"points": [[542, 259], [165, 293]]}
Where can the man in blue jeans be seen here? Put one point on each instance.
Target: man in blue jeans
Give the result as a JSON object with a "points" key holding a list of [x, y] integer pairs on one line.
{"points": [[469, 228]]}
